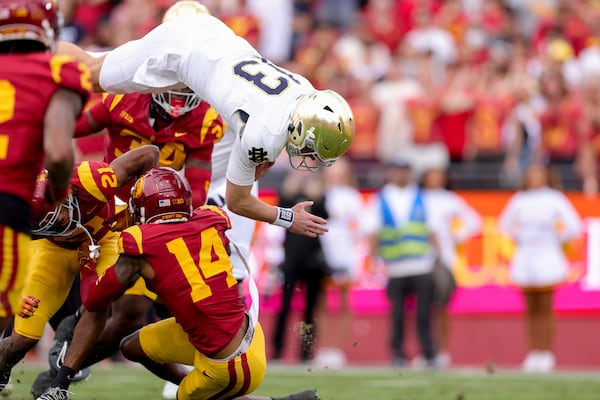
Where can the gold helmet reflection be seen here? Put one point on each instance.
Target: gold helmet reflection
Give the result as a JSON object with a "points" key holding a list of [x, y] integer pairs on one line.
{"points": [[184, 7], [321, 130]]}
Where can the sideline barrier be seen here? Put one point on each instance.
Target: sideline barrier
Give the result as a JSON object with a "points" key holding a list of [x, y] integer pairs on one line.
{"points": [[481, 268]]}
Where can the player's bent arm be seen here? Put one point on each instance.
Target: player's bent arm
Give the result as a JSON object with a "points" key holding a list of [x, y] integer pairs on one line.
{"points": [[92, 120], [135, 162], [240, 201], [93, 63], [241, 174], [59, 125], [97, 292]]}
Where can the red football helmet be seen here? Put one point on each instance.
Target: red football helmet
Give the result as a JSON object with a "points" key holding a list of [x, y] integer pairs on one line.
{"points": [[61, 220], [32, 20], [161, 195]]}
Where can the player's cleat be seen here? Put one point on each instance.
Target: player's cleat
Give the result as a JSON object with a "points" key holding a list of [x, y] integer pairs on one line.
{"points": [[60, 346], [82, 375], [6, 388], [170, 389], [307, 338], [303, 395], [55, 393], [42, 382], [61, 342], [45, 378]]}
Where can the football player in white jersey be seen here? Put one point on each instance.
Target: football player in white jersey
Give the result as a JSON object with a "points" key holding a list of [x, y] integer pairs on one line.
{"points": [[268, 107]]}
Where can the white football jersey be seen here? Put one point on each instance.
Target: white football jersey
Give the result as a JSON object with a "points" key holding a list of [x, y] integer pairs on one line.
{"points": [[242, 228], [201, 52]]}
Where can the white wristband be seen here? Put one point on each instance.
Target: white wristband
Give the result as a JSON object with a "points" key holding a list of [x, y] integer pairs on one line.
{"points": [[285, 217]]}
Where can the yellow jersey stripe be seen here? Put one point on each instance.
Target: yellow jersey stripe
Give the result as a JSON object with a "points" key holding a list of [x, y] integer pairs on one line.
{"points": [[7, 258], [84, 171], [116, 100], [136, 233]]}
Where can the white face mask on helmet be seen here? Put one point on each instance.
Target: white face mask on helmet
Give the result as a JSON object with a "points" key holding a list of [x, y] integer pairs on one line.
{"points": [[63, 220], [176, 103]]}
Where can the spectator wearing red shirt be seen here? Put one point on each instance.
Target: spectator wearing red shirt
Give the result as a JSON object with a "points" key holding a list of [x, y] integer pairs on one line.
{"points": [[564, 128], [243, 22], [493, 103], [456, 105]]}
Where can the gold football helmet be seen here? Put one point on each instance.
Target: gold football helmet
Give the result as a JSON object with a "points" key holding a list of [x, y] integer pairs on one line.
{"points": [[321, 130], [184, 7]]}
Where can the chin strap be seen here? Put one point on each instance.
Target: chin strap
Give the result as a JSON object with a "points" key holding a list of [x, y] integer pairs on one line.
{"points": [[94, 247]]}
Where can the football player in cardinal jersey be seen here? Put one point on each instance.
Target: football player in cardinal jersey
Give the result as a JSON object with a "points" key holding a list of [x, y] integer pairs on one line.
{"points": [[182, 254], [41, 95], [268, 107], [184, 127], [70, 235]]}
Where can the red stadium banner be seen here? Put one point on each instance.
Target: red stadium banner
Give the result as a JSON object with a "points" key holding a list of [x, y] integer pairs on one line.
{"points": [[481, 268]]}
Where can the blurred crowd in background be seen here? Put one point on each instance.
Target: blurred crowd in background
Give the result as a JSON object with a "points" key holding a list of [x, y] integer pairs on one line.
{"points": [[482, 87]]}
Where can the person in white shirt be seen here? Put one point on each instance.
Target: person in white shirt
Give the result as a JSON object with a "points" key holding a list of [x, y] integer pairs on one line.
{"points": [[540, 220], [344, 204], [342, 247], [454, 222], [268, 107]]}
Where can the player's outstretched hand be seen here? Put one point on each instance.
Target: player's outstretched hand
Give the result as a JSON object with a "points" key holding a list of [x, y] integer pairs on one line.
{"points": [[306, 223], [28, 306]]}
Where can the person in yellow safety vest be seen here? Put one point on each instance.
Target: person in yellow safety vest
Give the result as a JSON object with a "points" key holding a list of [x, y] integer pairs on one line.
{"points": [[401, 236]]}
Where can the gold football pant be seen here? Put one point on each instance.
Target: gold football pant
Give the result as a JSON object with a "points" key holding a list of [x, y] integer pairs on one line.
{"points": [[166, 342], [51, 274]]}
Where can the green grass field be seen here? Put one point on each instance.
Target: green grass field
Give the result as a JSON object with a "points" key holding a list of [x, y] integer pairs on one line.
{"points": [[125, 382]]}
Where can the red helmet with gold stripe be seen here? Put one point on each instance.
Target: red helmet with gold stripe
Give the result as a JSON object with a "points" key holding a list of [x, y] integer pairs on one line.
{"points": [[161, 195]]}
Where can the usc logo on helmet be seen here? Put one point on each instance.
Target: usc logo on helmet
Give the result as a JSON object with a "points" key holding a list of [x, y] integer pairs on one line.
{"points": [[138, 188]]}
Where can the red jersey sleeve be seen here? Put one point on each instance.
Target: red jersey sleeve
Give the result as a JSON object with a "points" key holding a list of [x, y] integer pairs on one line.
{"points": [[95, 118], [97, 180], [28, 83], [211, 131], [72, 75], [130, 241]]}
